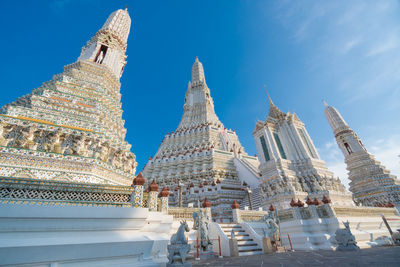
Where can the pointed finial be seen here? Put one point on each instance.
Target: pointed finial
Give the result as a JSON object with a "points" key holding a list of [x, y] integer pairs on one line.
{"points": [[197, 59], [269, 98], [325, 104], [126, 8]]}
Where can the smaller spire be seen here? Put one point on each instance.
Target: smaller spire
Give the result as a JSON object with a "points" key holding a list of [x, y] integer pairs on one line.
{"points": [[274, 111], [197, 71], [325, 104], [269, 98]]}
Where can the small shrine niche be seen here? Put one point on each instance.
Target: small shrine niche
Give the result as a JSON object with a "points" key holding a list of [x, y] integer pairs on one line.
{"points": [[101, 54], [347, 146]]}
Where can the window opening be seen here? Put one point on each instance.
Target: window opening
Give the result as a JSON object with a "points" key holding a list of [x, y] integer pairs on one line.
{"points": [[265, 149], [280, 147], [348, 148], [101, 54]]}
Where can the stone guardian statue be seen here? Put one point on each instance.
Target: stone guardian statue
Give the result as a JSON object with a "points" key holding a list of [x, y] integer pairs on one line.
{"points": [[345, 239], [179, 247]]}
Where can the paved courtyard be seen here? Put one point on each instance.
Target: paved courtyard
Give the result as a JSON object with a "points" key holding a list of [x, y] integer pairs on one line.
{"points": [[380, 256]]}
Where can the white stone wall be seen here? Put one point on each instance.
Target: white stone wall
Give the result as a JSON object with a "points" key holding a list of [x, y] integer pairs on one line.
{"points": [[317, 233], [82, 236]]}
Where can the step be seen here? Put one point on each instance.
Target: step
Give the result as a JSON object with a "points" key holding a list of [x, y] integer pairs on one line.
{"points": [[235, 230], [229, 226], [249, 253], [240, 237], [249, 248], [244, 234], [249, 244], [245, 238], [245, 242]]}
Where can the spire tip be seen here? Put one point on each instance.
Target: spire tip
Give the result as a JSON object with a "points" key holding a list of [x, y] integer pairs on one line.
{"points": [[269, 98]]}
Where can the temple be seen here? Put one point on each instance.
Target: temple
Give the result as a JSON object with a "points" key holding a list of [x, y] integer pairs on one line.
{"points": [[291, 168], [69, 195], [202, 158], [70, 129], [370, 182]]}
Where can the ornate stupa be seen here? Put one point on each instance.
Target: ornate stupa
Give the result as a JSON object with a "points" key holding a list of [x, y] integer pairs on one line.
{"points": [[291, 168], [203, 157], [70, 129], [370, 182]]}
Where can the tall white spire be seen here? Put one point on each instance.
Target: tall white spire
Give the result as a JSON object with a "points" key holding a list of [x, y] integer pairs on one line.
{"points": [[197, 72], [199, 105], [371, 184], [202, 152], [335, 119], [108, 46], [77, 113], [119, 23]]}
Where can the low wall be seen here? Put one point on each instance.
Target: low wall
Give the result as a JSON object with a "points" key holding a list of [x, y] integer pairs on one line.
{"points": [[182, 213], [46, 235], [314, 227], [367, 225]]}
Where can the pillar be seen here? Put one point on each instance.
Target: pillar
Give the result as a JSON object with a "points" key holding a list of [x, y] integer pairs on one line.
{"points": [[233, 247], [207, 206], [136, 198], [235, 212], [153, 193], [164, 200], [267, 245]]}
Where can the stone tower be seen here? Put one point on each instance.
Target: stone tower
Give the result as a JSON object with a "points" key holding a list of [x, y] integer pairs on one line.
{"points": [[202, 154], [290, 165], [71, 129], [370, 183]]}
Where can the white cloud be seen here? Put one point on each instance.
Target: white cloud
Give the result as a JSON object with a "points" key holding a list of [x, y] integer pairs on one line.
{"points": [[352, 53], [384, 46], [354, 42], [334, 159], [350, 44], [388, 152]]}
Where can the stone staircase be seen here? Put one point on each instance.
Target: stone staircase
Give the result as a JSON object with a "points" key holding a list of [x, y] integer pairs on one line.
{"points": [[246, 244], [256, 197]]}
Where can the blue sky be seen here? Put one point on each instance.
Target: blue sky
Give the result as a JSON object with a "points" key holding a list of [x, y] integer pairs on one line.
{"points": [[346, 52]]}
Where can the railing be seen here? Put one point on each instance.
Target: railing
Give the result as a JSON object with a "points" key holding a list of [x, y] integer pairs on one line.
{"points": [[26, 190], [251, 167]]}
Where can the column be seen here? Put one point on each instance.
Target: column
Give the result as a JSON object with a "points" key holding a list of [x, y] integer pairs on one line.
{"points": [[164, 200], [207, 206], [235, 212], [153, 193], [136, 197]]}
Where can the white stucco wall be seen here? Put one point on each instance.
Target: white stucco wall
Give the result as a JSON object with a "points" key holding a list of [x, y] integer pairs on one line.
{"points": [[82, 236]]}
